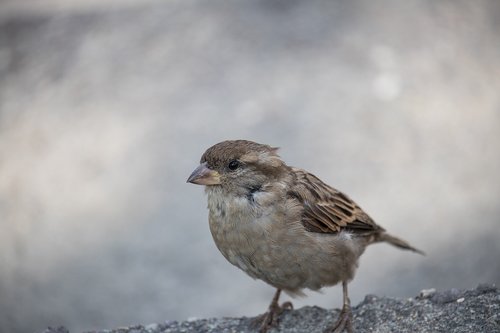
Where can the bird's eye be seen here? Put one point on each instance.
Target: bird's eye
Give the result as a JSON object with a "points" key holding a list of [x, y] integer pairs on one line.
{"points": [[233, 165]]}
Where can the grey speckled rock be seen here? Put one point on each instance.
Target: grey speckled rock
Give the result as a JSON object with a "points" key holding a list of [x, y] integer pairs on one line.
{"points": [[476, 310]]}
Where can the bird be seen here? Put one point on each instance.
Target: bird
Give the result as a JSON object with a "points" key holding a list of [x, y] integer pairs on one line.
{"points": [[283, 225]]}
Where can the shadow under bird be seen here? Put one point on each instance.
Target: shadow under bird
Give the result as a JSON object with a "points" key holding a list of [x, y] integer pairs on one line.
{"points": [[283, 225]]}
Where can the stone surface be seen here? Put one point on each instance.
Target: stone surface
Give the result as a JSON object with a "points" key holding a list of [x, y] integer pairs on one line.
{"points": [[453, 310]]}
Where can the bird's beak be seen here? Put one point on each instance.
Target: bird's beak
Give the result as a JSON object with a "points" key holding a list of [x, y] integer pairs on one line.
{"points": [[203, 175]]}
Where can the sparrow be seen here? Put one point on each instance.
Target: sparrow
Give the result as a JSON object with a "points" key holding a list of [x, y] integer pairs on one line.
{"points": [[283, 225]]}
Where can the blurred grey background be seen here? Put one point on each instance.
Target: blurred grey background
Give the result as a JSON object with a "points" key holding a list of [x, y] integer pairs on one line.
{"points": [[107, 106]]}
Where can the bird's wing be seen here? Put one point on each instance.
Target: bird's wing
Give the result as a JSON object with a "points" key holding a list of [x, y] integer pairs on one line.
{"points": [[327, 210]]}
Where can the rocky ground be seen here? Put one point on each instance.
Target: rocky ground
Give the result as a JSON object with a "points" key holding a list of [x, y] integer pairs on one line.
{"points": [[476, 310]]}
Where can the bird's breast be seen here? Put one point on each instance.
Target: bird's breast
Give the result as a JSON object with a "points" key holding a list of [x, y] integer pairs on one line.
{"points": [[243, 231], [268, 242]]}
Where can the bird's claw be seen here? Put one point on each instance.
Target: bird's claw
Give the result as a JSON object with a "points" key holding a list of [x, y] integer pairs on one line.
{"points": [[343, 323], [270, 319]]}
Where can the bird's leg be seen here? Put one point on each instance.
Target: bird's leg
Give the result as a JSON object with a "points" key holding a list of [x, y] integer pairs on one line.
{"points": [[345, 318], [270, 318]]}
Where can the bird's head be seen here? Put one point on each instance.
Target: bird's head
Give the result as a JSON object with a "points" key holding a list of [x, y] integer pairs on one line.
{"points": [[237, 166]]}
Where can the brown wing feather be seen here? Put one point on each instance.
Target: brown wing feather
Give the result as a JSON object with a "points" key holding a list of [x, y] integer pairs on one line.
{"points": [[327, 210]]}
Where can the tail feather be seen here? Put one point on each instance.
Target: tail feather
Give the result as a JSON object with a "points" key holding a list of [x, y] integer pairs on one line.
{"points": [[397, 242]]}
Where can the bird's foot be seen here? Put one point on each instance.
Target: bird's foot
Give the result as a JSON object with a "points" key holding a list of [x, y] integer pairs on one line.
{"points": [[270, 319], [344, 322]]}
